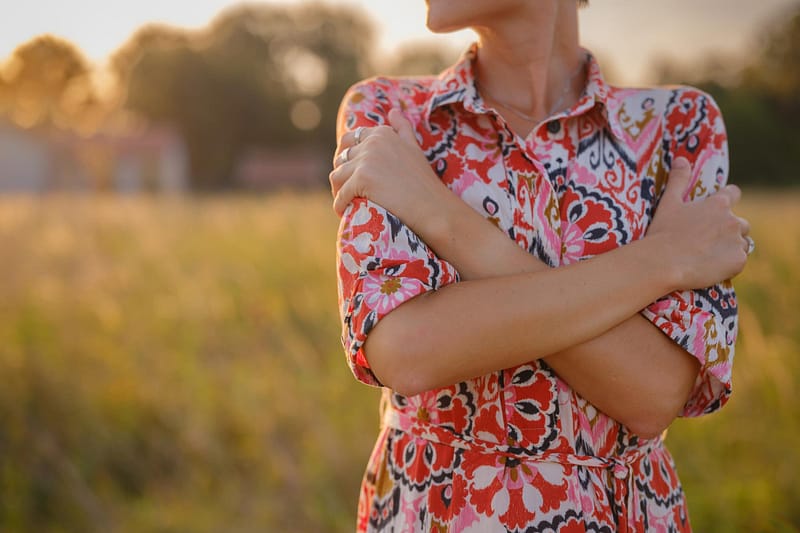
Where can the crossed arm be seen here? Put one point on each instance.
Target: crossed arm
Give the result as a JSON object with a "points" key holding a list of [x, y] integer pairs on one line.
{"points": [[581, 319], [632, 372]]}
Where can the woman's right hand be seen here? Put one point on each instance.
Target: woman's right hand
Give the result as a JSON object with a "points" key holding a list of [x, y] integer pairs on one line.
{"points": [[703, 240], [389, 168]]}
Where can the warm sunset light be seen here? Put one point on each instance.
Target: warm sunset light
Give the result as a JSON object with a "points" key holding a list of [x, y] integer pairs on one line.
{"points": [[198, 233], [631, 32]]}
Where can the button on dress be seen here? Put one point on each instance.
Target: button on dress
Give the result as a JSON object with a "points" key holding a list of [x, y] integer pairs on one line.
{"points": [[517, 449]]}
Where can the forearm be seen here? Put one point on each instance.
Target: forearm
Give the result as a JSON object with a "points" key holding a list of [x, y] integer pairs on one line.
{"points": [[478, 326], [632, 372]]}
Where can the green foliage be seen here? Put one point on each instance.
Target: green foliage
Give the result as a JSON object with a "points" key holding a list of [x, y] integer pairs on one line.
{"points": [[46, 80], [173, 365], [421, 58], [232, 86], [739, 466], [764, 144], [760, 103], [778, 68]]}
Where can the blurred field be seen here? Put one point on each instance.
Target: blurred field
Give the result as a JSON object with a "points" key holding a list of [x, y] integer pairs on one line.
{"points": [[173, 365]]}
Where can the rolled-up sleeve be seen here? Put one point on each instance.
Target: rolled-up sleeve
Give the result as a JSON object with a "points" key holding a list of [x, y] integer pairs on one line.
{"points": [[703, 321], [381, 263]]}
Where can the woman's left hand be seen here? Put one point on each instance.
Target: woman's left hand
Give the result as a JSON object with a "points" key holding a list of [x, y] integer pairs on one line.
{"points": [[388, 167]]}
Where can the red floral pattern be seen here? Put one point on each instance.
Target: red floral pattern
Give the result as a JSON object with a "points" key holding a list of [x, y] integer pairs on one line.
{"points": [[518, 450]]}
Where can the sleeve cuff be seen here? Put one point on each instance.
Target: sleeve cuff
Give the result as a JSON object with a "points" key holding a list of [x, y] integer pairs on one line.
{"points": [[704, 336]]}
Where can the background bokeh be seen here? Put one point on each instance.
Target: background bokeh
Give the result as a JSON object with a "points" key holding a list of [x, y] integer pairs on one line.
{"points": [[169, 336]]}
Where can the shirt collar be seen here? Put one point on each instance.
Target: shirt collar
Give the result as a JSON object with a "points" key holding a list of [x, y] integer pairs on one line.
{"points": [[456, 84]]}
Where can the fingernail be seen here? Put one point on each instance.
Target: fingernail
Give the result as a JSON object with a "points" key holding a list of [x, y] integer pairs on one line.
{"points": [[680, 162]]}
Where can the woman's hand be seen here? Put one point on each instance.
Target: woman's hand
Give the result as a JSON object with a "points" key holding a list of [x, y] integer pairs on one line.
{"points": [[387, 166], [703, 239]]}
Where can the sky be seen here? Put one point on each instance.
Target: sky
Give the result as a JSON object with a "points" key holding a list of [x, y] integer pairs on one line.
{"points": [[628, 33]]}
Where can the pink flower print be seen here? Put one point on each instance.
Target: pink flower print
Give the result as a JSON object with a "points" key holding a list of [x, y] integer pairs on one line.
{"points": [[384, 293], [572, 244]]}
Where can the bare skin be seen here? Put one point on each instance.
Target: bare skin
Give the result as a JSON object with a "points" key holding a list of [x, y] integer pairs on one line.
{"points": [[528, 51], [618, 360], [632, 372]]}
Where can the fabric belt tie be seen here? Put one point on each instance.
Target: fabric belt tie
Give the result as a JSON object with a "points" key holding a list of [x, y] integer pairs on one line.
{"points": [[620, 467]]}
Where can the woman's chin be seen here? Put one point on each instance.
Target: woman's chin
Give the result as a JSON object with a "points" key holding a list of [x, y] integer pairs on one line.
{"points": [[445, 16], [444, 28], [436, 25]]}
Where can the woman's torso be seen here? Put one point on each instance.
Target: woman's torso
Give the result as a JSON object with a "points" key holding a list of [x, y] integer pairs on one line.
{"points": [[581, 184]]}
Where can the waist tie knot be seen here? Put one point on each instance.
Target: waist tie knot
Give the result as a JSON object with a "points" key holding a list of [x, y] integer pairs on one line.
{"points": [[620, 470]]}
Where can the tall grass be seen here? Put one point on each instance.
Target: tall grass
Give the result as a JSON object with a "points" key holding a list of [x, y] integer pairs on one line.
{"points": [[173, 365], [740, 466]]}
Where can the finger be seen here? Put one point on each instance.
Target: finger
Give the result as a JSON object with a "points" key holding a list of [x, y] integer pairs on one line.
{"points": [[349, 138], [750, 246], [402, 126], [351, 152], [679, 179], [733, 192], [345, 141], [744, 225], [339, 158], [336, 155], [343, 197], [333, 182], [340, 175]]}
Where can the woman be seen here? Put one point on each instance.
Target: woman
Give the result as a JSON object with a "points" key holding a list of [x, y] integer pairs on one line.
{"points": [[525, 387]]}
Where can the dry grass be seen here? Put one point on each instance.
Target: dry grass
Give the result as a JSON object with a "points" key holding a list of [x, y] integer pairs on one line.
{"points": [[174, 365]]}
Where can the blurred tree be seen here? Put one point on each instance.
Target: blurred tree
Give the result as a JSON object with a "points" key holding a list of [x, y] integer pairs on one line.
{"points": [[422, 58], [258, 75], [344, 39], [763, 109], [149, 36], [760, 103], [778, 69], [47, 80], [5, 93]]}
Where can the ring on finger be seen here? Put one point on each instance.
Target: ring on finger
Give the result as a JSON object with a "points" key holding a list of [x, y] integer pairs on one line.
{"points": [[751, 244], [345, 155], [359, 134]]}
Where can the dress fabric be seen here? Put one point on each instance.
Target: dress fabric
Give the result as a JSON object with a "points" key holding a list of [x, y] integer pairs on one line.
{"points": [[518, 450]]}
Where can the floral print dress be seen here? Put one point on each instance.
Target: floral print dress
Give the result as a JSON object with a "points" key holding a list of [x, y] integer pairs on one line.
{"points": [[518, 450]]}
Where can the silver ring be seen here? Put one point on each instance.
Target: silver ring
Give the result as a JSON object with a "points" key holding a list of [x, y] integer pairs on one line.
{"points": [[751, 244], [359, 133], [345, 155]]}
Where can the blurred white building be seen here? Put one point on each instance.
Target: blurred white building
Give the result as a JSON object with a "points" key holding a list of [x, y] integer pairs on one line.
{"points": [[268, 169], [41, 160]]}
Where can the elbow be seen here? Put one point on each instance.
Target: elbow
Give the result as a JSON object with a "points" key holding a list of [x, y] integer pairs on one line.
{"points": [[648, 427], [395, 368], [404, 379], [661, 403], [651, 421], [407, 384]]}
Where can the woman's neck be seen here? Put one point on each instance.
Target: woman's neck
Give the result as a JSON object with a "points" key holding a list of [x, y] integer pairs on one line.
{"points": [[528, 62]]}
